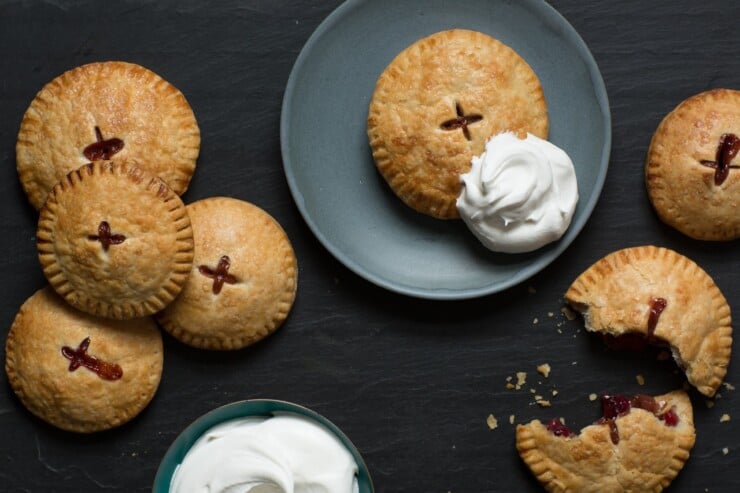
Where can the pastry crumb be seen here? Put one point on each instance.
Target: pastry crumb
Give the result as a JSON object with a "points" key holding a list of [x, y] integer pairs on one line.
{"points": [[544, 369], [543, 403], [511, 419], [535, 321], [728, 386], [521, 379], [575, 362], [508, 379], [532, 391], [492, 422], [640, 379], [554, 393], [550, 314], [725, 418], [725, 451], [568, 312], [592, 397], [510, 386]]}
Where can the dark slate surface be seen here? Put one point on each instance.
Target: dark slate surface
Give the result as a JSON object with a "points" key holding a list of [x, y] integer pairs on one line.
{"points": [[410, 381]]}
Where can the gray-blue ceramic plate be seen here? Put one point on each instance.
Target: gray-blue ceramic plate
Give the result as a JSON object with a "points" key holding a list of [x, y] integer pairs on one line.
{"points": [[330, 168], [256, 407]]}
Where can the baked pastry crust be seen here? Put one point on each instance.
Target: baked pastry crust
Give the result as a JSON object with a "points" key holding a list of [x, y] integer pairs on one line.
{"points": [[682, 190], [258, 270], [80, 400], [648, 456], [123, 100], [614, 295], [434, 81], [150, 241]]}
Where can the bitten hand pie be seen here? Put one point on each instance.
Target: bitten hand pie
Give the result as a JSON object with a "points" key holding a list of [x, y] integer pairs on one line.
{"points": [[435, 106], [639, 445], [656, 294], [103, 110], [691, 172]]}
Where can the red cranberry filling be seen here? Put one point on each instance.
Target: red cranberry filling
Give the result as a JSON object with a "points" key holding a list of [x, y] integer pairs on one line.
{"points": [[614, 406], [102, 148], [557, 428], [79, 357], [638, 342], [220, 274], [670, 418], [729, 145]]}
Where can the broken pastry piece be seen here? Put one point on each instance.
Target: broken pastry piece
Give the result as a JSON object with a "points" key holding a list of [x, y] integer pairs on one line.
{"points": [[651, 295], [640, 444]]}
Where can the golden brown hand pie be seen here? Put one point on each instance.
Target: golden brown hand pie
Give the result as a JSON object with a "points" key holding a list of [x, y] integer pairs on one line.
{"points": [[114, 241], [243, 281], [664, 297], [101, 110], [78, 372], [691, 172], [435, 106], [640, 445]]}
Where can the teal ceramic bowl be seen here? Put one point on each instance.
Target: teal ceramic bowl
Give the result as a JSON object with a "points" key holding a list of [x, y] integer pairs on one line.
{"points": [[243, 409]]}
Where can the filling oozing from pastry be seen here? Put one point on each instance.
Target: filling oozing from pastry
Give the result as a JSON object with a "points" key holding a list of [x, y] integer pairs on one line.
{"points": [[615, 406], [106, 237], [220, 275], [79, 357], [729, 145], [461, 121], [635, 341], [102, 149]]}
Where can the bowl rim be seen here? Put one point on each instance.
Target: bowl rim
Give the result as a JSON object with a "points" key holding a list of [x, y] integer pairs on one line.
{"points": [[242, 409]]}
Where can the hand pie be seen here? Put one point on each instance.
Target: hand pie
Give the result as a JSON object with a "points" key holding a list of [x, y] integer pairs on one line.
{"points": [[243, 280], [114, 241], [691, 172], [435, 106], [101, 110], [664, 298], [639, 445], [78, 372]]}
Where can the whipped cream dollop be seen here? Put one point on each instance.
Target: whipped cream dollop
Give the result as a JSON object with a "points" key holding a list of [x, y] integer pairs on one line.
{"points": [[281, 454], [519, 194]]}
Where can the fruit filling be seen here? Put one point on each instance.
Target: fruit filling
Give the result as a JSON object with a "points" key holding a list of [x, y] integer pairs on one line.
{"points": [[614, 406], [461, 121], [220, 274], [102, 148], [729, 145], [78, 357], [638, 342]]}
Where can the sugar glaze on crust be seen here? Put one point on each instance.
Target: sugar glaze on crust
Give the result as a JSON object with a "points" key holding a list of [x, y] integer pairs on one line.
{"points": [[648, 456], [614, 296]]}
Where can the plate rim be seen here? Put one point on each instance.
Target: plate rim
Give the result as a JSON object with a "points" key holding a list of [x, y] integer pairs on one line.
{"points": [[602, 98]]}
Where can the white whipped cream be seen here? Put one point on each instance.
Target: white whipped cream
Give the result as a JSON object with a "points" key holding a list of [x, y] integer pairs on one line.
{"points": [[281, 454], [519, 194]]}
